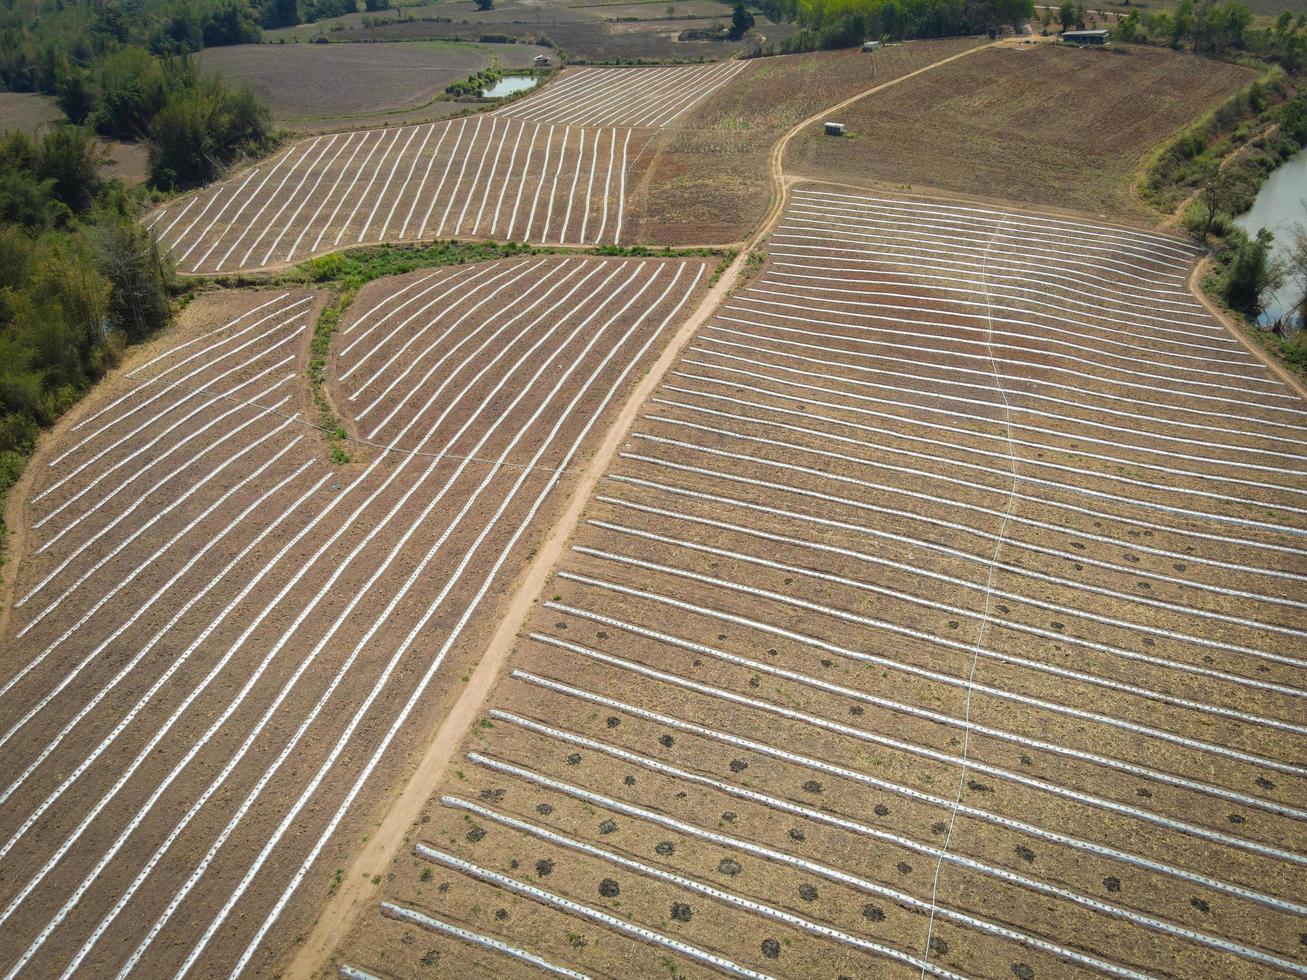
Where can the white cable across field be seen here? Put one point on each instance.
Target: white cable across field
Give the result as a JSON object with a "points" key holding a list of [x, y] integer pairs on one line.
{"points": [[1038, 603], [1112, 646], [902, 898], [916, 542], [948, 305], [477, 939], [907, 792], [923, 516], [961, 449], [698, 887], [1078, 230], [947, 758], [936, 716], [885, 256], [872, 462], [635, 97], [1060, 432], [850, 360], [1004, 657], [933, 675], [1026, 249], [863, 884], [1017, 378], [939, 501], [1059, 357], [859, 828], [1011, 288], [1007, 361]]}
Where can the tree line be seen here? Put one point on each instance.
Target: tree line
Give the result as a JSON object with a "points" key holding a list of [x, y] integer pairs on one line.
{"points": [[79, 279], [846, 23]]}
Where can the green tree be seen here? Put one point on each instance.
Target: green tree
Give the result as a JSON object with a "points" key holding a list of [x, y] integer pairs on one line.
{"points": [[741, 21], [279, 13], [128, 257], [1066, 14], [1250, 272]]}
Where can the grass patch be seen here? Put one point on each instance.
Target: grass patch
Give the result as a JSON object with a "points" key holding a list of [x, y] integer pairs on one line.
{"points": [[348, 272]]}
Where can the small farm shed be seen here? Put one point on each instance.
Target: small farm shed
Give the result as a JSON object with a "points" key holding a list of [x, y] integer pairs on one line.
{"points": [[1086, 37], [870, 46], [542, 61], [834, 129]]}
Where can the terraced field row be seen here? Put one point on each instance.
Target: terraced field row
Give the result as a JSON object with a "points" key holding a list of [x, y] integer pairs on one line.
{"points": [[944, 614], [647, 98], [476, 177], [224, 651]]}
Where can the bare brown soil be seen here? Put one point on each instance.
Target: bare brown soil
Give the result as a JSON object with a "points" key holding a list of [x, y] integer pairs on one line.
{"points": [[312, 86], [495, 453], [27, 111], [762, 574], [32, 112], [1045, 125], [698, 182], [484, 176]]}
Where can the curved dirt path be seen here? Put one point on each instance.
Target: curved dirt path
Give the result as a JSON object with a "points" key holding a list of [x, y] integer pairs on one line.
{"points": [[356, 893]]}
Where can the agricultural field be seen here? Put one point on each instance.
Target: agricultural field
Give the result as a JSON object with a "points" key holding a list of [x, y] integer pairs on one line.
{"points": [[32, 113], [28, 111], [642, 98], [1047, 125], [324, 86], [585, 32], [224, 649], [943, 614], [550, 168], [700, 181]]}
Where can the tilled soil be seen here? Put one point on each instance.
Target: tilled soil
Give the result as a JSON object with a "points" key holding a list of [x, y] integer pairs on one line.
{"points": [[481, 176], [854, 667], [1009, 124], [239, 658]]}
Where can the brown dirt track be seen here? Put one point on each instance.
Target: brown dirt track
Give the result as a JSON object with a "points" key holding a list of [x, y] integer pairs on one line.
{"points": [[1137, 701], [363, 646], [699, 181], [1046, 125]]}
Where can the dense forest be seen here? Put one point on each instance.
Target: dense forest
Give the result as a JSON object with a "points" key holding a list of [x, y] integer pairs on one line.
{"points": [[79, 279], [844, 23]]}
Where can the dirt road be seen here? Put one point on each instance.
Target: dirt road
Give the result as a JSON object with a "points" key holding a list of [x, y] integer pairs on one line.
{"points": [[357, 890]]}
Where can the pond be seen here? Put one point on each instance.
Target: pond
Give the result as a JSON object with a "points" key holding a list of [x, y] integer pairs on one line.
{"points": [[511, 85], [1280, 205]]}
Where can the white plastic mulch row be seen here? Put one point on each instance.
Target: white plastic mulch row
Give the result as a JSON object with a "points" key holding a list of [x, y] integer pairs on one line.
{"points": [[635, 97], [480, 177]]}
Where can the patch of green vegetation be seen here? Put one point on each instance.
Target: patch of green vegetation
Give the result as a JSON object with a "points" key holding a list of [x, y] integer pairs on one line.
{"points": [[79, 281], [1237, 145]]}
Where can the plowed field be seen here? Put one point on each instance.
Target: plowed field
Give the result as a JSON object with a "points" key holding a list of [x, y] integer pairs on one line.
{"points": [[944, 613], [224, 650]]}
